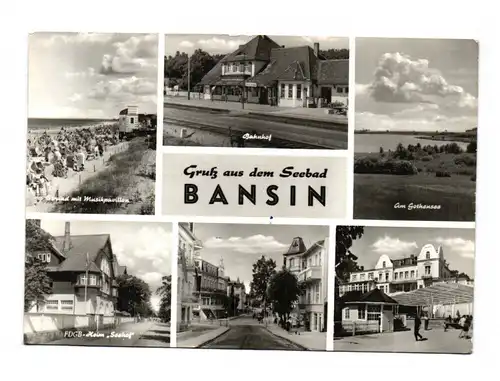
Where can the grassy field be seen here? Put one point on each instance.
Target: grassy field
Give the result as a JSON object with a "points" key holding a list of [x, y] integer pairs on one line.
{"points": [[129, 175], [375, 196]]}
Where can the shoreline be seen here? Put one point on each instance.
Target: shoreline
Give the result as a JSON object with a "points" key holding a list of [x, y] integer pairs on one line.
{"points": [[55, 130]]}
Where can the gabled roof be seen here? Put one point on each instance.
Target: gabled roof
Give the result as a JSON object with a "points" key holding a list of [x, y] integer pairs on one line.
{"points": [[258, 48], [285, 63], [333, 72], [76, 257], [121, 270], [375, 296], [297, 247]]}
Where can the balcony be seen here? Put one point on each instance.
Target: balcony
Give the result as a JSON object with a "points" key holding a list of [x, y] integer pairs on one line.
{"points": [[310, 274]]}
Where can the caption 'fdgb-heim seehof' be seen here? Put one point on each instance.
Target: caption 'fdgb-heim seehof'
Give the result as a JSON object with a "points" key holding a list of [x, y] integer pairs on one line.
{"points": [[252, 286], [92, 123], [256, 91], [97, 283]]}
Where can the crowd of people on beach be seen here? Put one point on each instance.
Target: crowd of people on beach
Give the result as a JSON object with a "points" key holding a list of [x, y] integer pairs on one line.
{"points": [[67, 149]]}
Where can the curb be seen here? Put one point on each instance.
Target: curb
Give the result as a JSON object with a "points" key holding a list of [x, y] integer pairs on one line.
{"points": [[288, 340], [212, 339], [269, 116]]}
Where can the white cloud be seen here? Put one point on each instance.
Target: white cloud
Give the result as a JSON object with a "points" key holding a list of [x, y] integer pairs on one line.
{"points": [[89, 73], [136, 54], [399, 78], [146, 253], [463, 247], [392, 246], [255, 244], [186, 44], [78, 38], [220, 45], [119, 88], [75, 97]]}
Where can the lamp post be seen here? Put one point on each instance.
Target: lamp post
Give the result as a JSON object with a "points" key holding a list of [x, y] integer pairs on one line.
{"points": [[244, 84], [189, 77]]}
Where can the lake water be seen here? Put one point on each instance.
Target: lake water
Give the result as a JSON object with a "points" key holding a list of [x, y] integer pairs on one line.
{"points": [[364, 143]]}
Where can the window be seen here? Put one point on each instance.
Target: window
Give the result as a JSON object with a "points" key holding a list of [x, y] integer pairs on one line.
{"points": [[242, 68], [373, 313], [428, 255], [347, 314], [406, 274], [362, 277], [83, 279], [395, 276], [380, 276], [383, 264], [317, 294], [66, 304], [290, 91], [361, 312], [346, 90], [427, 270], [354, 278], [387, 277], [412, 274], [132, 120], [282, 93], [370, 275], [420, 286], [52, 304], [299, 91]]}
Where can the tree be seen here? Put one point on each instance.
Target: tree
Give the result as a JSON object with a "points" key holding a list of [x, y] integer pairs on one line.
{"points": [[472, 147], [335, 54], [133, 292], [37, 283], [283, 292], [262, 272], [165, 293]]}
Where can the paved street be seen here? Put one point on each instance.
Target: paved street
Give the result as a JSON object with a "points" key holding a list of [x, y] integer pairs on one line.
{"points": [[437, 341], [148, 334], [247, 333], [212, 129]]}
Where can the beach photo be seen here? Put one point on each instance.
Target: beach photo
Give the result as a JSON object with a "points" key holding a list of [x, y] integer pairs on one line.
{"points": [[91, 145], [245, 286], [256, 91], [404, 289], [415, 139], [97, 283]]}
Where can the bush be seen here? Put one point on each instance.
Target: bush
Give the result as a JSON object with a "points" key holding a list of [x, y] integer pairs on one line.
{"points": [[381, 166], [427, 158], [468, 160], [472, 147], [443, 174], [473, 177]]}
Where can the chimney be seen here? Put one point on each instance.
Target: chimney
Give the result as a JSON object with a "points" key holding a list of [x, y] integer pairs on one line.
{"points": [[316, 49], [67, 237], [282, 46]]}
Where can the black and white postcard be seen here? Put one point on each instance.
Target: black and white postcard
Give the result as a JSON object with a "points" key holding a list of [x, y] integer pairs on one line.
{"points": [[97, 283], [416, 129], [92, 123], [404, 289], [252, 286], [256, 91]]}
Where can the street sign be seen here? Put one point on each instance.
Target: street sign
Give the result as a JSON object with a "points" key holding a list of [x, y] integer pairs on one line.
{"points": [[250, 84]]}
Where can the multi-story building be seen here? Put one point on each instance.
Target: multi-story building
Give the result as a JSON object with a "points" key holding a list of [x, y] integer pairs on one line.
{"points": [[310, 265], [261, 71], [402, 275], [189, 253], [237, 289], [83, 271], [212, 289]]}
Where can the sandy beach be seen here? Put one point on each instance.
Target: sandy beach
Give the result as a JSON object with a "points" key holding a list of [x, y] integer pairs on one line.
{"points": [[55, 130]]}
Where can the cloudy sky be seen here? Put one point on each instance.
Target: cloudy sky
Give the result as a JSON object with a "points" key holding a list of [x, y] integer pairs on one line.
{"points": [[458, 245], [90, 75], [143, 247], [416, 84], [242, 245], [224, 44]]}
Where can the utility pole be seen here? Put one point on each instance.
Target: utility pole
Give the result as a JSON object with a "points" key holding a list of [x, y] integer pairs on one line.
{"points": [[189, 77], [244, 84], [86, 281]]}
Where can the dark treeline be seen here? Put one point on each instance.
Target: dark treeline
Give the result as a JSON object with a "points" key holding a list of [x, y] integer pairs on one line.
{"points": [[176, 67]]}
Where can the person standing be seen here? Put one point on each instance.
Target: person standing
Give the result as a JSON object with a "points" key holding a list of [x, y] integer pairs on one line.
{"points": [[416, 329]]}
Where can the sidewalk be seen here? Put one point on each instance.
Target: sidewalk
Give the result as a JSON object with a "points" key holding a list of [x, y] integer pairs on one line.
{"points": [[251, 109], [195, 342], [312, 341]]}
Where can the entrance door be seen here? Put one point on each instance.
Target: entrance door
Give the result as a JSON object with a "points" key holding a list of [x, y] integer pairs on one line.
{"points": [[326, 95], [304, 97], [263, 96]]}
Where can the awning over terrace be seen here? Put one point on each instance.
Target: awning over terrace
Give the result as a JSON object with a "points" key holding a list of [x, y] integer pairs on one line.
{"points": [[442, 293]]}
